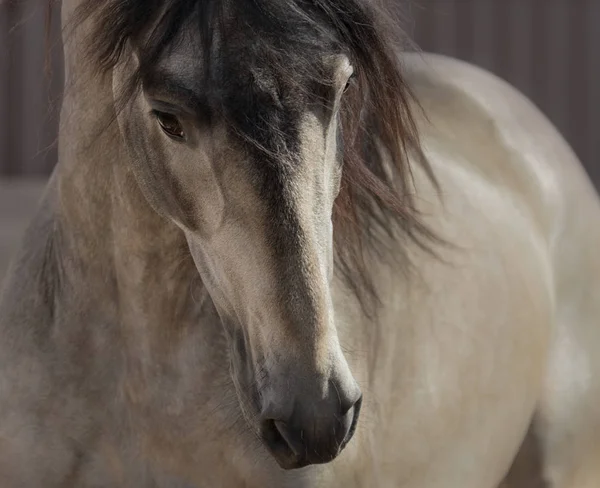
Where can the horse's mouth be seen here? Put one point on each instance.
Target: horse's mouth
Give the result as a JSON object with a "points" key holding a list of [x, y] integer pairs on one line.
{"points": [[279, 448], [288, 458]]}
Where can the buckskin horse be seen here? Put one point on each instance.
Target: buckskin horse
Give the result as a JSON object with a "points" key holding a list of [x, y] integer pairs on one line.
{"points": [[279, 250]]}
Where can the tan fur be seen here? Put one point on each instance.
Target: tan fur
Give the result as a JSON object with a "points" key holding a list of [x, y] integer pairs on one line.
{"points": [[464, 356]]}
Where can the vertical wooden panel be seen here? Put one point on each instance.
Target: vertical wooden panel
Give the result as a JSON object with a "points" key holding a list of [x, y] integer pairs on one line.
{"points": [[500, 34], [465, 20], [591, 28], [53, 89], [483, 29], [16, 159], [443, 17], [548, 49], [4, 85], [422, 30], [558, 54], [519, 43], [27, 95], [33, 89], [30, 124], [576, 104]]}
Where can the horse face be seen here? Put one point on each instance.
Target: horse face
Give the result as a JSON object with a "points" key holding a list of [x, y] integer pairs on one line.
{"points": [[248, 166]]}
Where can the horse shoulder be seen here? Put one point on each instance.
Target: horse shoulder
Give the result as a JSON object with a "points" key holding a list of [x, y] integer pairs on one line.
{"points": [[538, 167]]}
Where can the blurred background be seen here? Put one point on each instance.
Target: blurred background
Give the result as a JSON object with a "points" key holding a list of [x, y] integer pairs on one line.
{"points": [[549, 49]]}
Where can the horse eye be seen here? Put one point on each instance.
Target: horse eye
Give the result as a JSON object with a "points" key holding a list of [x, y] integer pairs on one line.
{"points": [[170, 125], [349, 82]]}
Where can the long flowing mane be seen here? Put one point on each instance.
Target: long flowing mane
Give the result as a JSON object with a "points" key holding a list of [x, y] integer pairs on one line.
{"points": [[379, 131]]}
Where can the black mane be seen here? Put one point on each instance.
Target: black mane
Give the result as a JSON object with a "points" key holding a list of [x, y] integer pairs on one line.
{"points": [[292, 34]]}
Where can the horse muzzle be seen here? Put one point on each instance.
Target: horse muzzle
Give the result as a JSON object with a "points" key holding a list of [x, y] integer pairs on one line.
{"points": [[314, 432]]}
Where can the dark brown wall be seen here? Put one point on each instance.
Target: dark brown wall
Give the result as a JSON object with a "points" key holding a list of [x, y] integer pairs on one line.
{"points": [[29, 93], [549, 49]]}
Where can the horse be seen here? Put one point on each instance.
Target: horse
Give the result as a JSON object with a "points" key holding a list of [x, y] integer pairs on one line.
{"points": [[283, 248]]}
